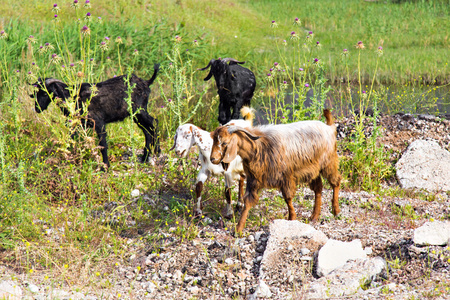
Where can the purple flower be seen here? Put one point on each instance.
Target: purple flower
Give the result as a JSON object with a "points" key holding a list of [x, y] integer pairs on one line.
{"points": [[268, 74], [293, 33], [29, 72], [316, 60], [380, 48], [87, 1], [63, 66], [88, 14], [17, 71], [46, 44], [56, 16], [162, 106], [270, 69], [31, 37], [106, 38], [306, 85], [75, 1], [284, 82], [55, 5], [33, 63], [275, 64], [54, 55], [300, 69], [363, 92], [310, 33], [317, 42], [273, 21], [99, 18], [72, 65], [103, 43], [296, 20], [40, 47], [170, 100], [345, 50], [108, 57], [91, 59]]}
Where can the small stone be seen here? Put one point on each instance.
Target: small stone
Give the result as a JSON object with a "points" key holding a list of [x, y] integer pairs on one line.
{"points": [[135, 193], [304, 251], [33, 288]]}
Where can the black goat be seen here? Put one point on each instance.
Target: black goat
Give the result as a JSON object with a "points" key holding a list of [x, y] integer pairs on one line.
{"points": [[235, 85], [107, 105]]}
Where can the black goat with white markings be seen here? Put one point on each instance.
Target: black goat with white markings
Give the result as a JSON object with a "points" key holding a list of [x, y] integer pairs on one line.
{"points": [[235, 85], [107, 104]]}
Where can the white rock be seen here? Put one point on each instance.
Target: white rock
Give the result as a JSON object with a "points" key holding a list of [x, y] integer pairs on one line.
{"points": [[229, 261], [424, 165], [33, 288], [335, 254], [347, 279], [304, 251], [135, 193], [262, 291], [433, 233], [10, 290]]}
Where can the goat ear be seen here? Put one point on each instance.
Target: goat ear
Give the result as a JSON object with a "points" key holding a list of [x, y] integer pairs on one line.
{"points": [[231, 151]]}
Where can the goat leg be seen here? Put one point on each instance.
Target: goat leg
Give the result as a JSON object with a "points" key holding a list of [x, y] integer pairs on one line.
{"points": [[239, 202], [229, 210], [251, 198], [101, 133], [198, 193], [316, 186]]}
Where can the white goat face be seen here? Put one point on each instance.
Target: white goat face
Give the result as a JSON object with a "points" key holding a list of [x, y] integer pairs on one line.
{"points": [[184, 140]]}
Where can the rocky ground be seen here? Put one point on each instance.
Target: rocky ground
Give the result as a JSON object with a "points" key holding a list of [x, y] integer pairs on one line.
{"points": [[216, 265]]}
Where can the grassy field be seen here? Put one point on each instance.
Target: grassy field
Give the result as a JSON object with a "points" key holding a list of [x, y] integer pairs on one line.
{"points": [[50, 181]]}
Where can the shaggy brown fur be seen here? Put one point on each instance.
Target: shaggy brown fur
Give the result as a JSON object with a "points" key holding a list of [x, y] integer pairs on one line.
{"points": [[281, 156]]}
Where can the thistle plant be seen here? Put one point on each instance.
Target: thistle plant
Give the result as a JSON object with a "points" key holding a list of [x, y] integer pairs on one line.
{"points": [[293, 76]]}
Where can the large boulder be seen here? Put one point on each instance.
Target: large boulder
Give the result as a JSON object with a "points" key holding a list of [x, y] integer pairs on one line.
{"points": [[433, 233], [347, 279], [335, 254], [424, 165]]}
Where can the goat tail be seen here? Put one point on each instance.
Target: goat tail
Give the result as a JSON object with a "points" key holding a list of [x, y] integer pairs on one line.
{"points": [[156, 69], [328, 117], [248, 113]]}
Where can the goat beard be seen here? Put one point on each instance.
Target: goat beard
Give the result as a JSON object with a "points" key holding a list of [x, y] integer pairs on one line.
{"points": [[225, 166]]}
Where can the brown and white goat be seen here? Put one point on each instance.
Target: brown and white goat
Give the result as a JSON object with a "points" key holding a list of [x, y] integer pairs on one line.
{"points": [[281, 156]]}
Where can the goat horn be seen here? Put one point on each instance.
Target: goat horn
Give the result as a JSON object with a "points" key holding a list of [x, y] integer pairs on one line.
{"points": [[232, 60], [209, 64], [52, 80]]}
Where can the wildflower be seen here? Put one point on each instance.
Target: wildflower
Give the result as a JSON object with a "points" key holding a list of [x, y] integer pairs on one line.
{"points": [[87, 4], [169, 100], [55, 18], [306, 85], [85, 30], [119, 40], [55, 8], [55, 58], [297, 21], [360, 45], [3, 35], [48, 46], [195, 43], [31, 77], [88, 16], [274, 24], [170, 66], [318, 44], [284, 43], [294, 36], [300, 69], [316, 61], [379, 51], [72, 65], [100, 19], [103, 46], [75, 4], [135, 52], [345, 53], [177, 38], [31, 39], [41, 49]]}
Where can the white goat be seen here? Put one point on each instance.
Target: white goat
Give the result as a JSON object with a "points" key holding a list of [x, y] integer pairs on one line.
{"points": [[188, 135]]}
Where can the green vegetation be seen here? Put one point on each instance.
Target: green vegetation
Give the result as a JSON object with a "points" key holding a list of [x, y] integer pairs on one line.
{"points": [[59, 213]]}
